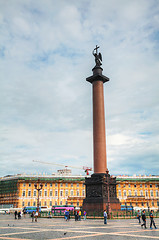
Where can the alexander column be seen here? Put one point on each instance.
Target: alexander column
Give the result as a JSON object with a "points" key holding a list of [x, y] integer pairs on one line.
{"points": [[100, 188]]}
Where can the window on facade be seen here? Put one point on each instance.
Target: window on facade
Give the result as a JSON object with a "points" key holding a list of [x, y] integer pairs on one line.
{"points": [[23, 194], [135, 193], [55, 203], [34, 193], [77, 203], [60, 202], [156, 185], [71, 192], [34, 204], [135, 185], [23, 204], [45, 193], [61, 184], [29, 184], [77, 184], [40, 203], [156, 193], [150, 185], [119, 185], [24, 184], [50, 203], [66, 193], [71, 203], [142, 204], [55, 184], [129, 185], [40, 193], [124, 185], [83, 185], [29, 193], [66, 202], [147, 204], [83, 193], [119, 193], [45, 203], [145, 185], [151, 193], [141, 193], [136, 203], [45, 184], [129, 192], [61, 193], [152, 204], [141, 185], [28, 204], [66, 184], [56, 193], [146, 193], [50, 193], [77, 193], [157, 203], [50, 184], [124, 193], [71, 184]]}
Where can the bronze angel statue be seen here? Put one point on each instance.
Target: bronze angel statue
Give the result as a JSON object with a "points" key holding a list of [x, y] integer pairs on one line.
{"points": [[98, 57]]}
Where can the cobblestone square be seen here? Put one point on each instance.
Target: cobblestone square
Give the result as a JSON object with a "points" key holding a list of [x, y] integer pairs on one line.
{"points": [[58, 228]]}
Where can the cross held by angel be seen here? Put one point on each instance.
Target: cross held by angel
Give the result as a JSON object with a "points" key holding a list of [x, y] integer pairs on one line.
{"points": [[98, 57]]}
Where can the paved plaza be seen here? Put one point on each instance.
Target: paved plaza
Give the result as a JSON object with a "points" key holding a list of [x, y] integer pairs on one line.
{"points": [[58, 228]]}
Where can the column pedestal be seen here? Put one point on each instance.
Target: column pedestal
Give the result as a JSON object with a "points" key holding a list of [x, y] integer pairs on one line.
{"points": [[100, 194]]}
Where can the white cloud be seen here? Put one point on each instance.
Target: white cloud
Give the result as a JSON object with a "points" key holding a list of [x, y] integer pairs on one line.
{"points": [[46, 109]]}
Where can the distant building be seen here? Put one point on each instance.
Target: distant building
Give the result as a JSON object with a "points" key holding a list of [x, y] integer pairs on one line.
{"points": [[19, 190]]}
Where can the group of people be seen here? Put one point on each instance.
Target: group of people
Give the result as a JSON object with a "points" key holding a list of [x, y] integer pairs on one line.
{"points": [[34, 216], [17, 214], [67, 215], [143, 217], [78, 215]]}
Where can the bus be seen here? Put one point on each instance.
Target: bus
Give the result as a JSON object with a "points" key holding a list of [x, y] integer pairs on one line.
{"points": [[31, 209], [59, 210], [126, 208]]}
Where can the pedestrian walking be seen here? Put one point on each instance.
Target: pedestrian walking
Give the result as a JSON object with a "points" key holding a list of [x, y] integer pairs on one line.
{"points": [[139, 216], [79, 215], [15, 214], [105, 217], [66, 215], [152, 220], [76, 217], [32, 216], [84, 215], [36, 216], [143, 219], [19, 215]]}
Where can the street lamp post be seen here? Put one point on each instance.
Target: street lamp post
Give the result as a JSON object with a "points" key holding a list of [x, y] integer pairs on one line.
{"points": [[109, 207], [38, 186]]}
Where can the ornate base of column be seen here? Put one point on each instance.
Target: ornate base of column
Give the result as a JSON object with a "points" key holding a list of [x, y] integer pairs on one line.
{"points": [[100, 194]]}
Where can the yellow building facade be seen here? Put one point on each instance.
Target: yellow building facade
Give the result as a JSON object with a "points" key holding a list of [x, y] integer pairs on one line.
{"points": [[19, 191], [139, 191]]}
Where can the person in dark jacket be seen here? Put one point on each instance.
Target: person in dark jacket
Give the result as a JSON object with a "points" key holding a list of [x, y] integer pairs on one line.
{"points": [[15, 214], [143, 219], [152, 220]]}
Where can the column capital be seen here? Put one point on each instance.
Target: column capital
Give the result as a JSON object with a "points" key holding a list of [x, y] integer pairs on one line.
{"points": [[97, 75]]}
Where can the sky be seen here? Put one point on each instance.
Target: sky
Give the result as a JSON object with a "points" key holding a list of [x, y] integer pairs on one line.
{"points": [[45, 101]]}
